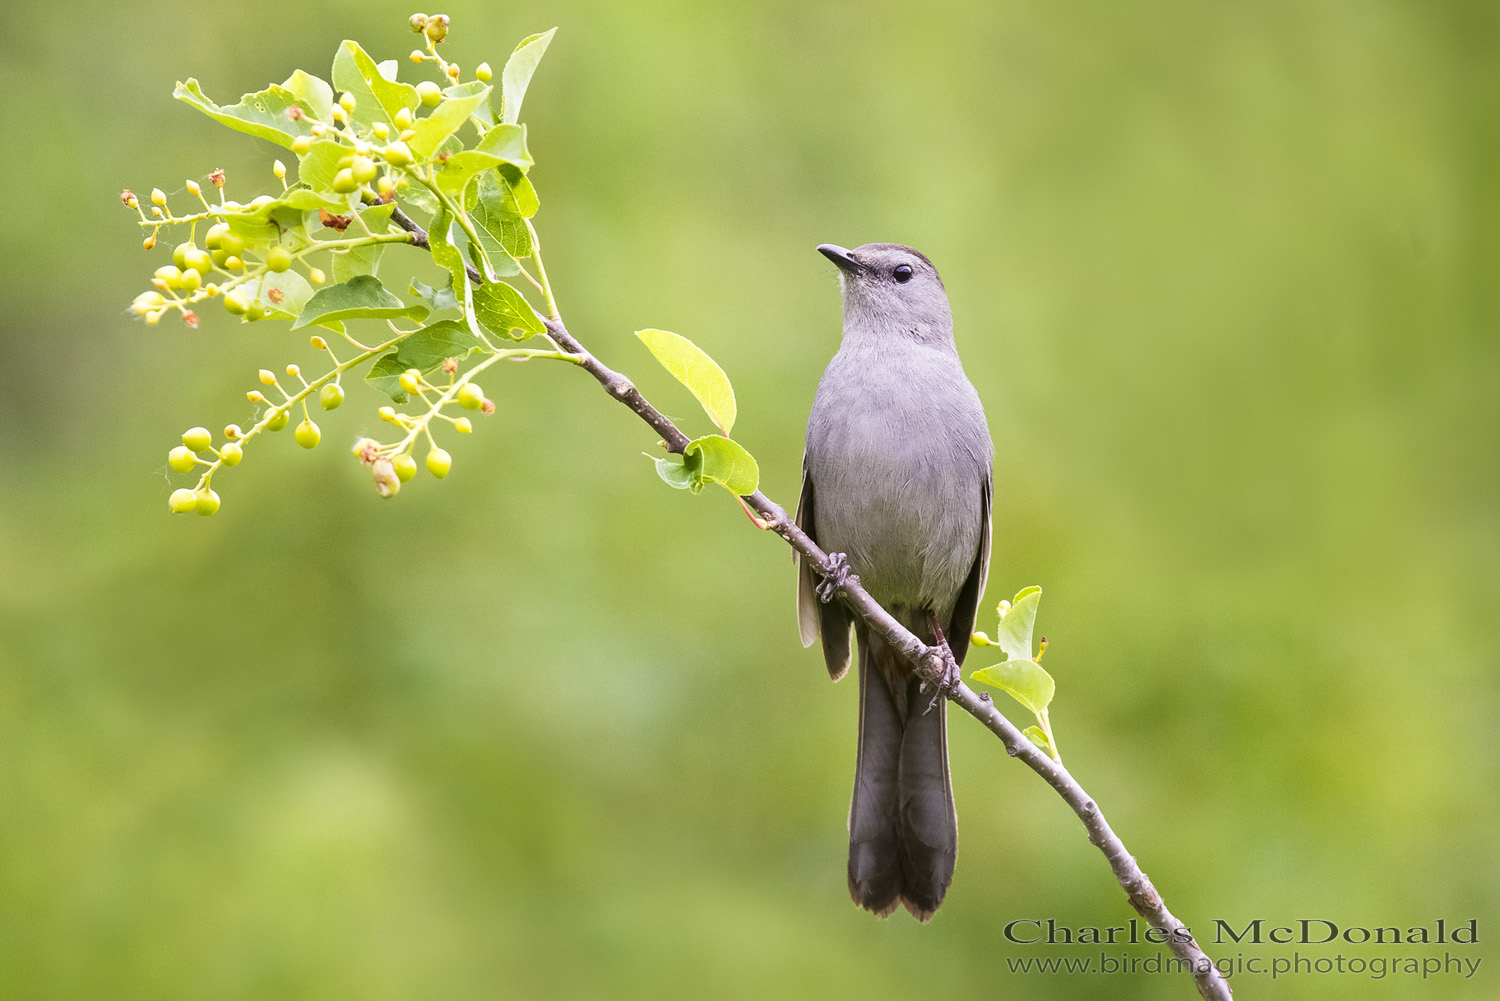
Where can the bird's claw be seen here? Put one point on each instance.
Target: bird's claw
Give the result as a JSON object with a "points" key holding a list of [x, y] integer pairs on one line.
{"points": [[950, 678], [835, 577]]}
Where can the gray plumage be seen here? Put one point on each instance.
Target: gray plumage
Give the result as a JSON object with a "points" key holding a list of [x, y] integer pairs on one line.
{"points": [[897, 476]]}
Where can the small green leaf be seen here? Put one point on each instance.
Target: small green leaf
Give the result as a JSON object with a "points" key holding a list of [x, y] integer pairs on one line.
{"points": [[262, 114], [314, 92], [1024, 680], [502, 309], [446, 119], [320, 164], [1014, 634], [518, 197], [491, 215], [447, 256], [294, 289], [437, 299], [1039, 738], [364, 260], [305, 200], [508, 142], [455, 173], [516, 76], [360, 297], [376, 99], [697, 371], [678, 473], [385, 375], [429, 347], [725, 461]]}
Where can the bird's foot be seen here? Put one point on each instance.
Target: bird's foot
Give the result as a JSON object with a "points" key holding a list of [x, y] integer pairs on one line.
{"points": [[951, 677], [835, 577]]}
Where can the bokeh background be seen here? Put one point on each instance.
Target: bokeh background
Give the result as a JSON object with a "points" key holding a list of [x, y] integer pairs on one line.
{"points": [[1226, 278]]}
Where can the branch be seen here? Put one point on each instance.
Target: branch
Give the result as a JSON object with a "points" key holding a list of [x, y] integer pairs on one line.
{"points": [[930, 663]]}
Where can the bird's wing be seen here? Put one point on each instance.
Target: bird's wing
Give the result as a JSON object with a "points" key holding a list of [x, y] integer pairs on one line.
{"points": [[831, 621], [966, 609]]}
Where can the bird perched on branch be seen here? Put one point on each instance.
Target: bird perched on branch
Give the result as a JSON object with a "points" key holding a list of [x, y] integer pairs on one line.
{"points": [[896, 485]]}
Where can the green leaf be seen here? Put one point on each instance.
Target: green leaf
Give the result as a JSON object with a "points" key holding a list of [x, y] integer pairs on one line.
{"points": [[305, 200], [518, 197], [294, 292], [1024, 680], [437, 299], [314, 92], [502, 309], [376, 99], [1039, 738], [697, 371], [385, 375], [447, 256], [320, 164], [364, 260], [490, 215], [516, 76], [455, 173], [446, 119], [725, 461], [359, 298], [262, 114], [1014, 634], [434, 344], [508, 142], [679, 472]]}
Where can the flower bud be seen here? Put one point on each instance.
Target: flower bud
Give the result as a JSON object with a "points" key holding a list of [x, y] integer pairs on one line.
{"points": [[232, 431], [267, 377], [302, 144], [279, 169], [463, 425], [193, 188], [483, 73], [417, 22], [158, 197], [317, 276], [411, 380], [402, 120], [346, 101]]}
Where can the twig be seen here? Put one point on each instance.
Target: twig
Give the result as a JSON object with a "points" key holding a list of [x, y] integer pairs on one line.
{"points": [[930, 663]]}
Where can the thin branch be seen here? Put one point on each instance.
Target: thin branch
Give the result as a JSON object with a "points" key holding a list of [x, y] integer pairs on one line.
{"points": [[932, 663]]}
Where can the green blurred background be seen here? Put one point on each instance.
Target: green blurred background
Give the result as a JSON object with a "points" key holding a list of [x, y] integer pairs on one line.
{"points": [[1225, 276]]}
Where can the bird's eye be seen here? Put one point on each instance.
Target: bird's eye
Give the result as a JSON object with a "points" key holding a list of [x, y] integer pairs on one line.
{"points": [[902, 273]]}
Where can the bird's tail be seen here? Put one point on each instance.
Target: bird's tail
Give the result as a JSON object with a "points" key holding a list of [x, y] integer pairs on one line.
{"points": [[903, 831]]}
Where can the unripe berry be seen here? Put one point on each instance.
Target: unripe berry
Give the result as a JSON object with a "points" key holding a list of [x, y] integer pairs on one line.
{"points": [[278, 259], [307, 434], [417, 55], [261, 201], [182, 459], [453, 71], [386, 187], [411, 380], [257, 310], [483, 73], [179, 254], [397, 154], [182, 500], [339, 116], [148, 243], [439, 462], [387, 414], [206, 502], [407, 135], [199, 260], [346, 101], [381, 131], [190, 280], [214, 238], [405, 465], [344, 182], [403, 118], [302, 144], [362, 170], [387, 483], [430, 93], [317, 276], [232, 431], [231, 454], [197, 439], [470, 396], [330, 396], [236, 303], [158, 197], [278, 420], [436, 27], [232, 262], [417, 22], [169, 273], [279, 169], [463, 426]]}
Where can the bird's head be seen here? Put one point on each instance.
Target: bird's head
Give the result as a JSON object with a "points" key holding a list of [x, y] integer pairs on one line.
{"points": [[891, 289]]}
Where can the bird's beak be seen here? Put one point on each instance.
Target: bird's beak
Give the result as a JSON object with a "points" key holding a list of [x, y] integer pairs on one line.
{"points": [[838, 255]]}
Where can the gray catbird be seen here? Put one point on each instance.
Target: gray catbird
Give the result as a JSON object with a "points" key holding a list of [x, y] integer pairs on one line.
{"points": [[896, 480]]}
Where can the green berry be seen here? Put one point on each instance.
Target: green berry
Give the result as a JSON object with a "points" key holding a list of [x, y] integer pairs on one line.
{"points": [[307, 434], [206, 502], [278, 420], [430, 93], [182, 459], [403, 118], [197, 439], [344, 182], [231, 454], [278, 259], [397, 154], [439, 462], [214, 238], [236, 302], [190, 280], [330, 396], [199, 260], [182, 500], [346, 101], [405, 466], [169, 273], [362, 169], [232, 262], [410, 380], [463, 425], [257, 310], [180, 252], [483, 73], [470, 396]]}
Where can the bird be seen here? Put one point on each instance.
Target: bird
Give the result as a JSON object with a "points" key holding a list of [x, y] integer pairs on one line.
{"points": [[897, 480]]}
